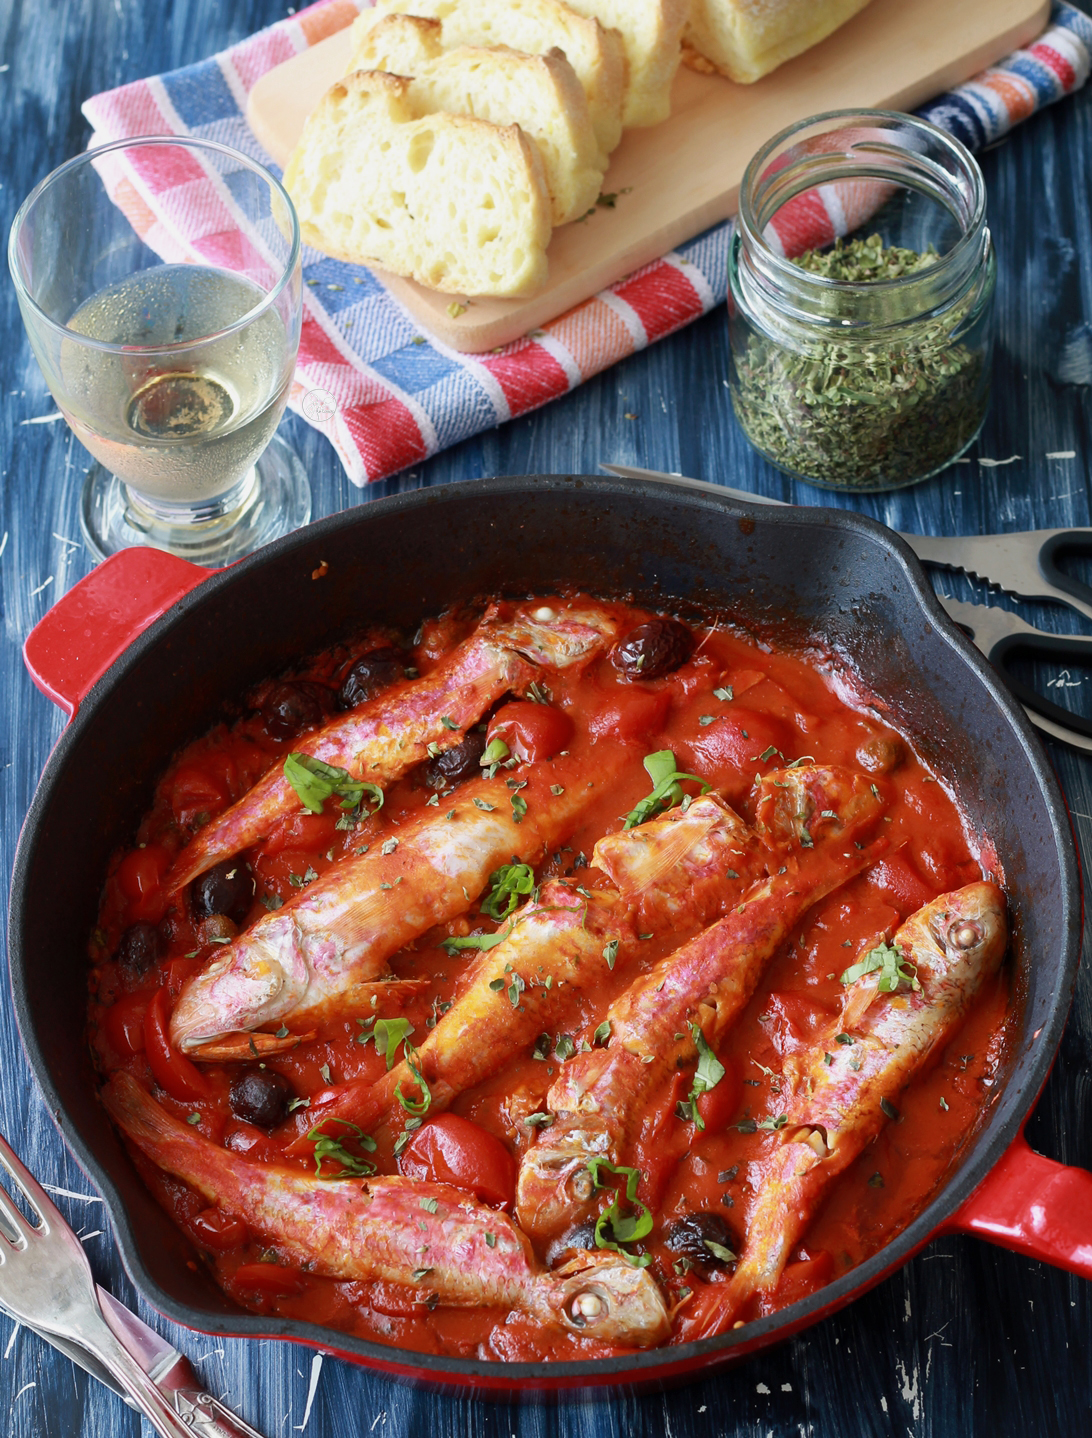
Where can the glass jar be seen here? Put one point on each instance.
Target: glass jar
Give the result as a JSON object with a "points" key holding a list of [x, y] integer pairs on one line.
{"points": [[866, 383]]}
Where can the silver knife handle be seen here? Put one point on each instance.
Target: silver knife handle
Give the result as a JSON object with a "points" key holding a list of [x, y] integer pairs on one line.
{"points": [[90, 1330], [206, 1417]]}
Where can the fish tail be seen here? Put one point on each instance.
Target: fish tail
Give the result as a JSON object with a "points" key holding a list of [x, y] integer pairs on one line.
{"points": [[172, 1145]]}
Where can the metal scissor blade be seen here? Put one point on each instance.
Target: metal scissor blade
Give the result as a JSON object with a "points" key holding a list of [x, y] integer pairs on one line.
{"points": [[1011, 561]]}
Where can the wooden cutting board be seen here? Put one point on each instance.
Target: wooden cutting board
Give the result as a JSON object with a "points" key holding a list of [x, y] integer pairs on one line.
{"points": [[676, 179]]}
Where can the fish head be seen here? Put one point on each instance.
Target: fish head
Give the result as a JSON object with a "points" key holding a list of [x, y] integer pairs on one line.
{"points": [[246, 985], [555, 634], [602, 1295], [968, 926], [556, 1189], [799, 806]]}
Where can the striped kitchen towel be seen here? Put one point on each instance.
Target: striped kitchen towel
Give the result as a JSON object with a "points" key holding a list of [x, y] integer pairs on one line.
{"points": [[400, 396]]}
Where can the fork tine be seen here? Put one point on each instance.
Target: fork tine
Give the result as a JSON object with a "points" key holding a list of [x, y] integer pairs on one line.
{"points": [[49, 1214]]}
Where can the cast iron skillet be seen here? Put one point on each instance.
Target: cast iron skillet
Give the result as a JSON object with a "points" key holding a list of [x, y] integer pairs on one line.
{"points": [[794, 574]]}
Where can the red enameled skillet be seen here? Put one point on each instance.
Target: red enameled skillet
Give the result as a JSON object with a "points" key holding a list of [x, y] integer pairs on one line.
{"points": [[148, 652]]}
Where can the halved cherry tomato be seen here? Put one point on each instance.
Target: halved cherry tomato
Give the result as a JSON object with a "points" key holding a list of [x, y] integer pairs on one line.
{"points": [[450, 1149], [719, 1105], [803, 1278], [629, 715], [900, 883], [124, 1024], [195, 791], [270, 1279], [171, 1070], [306, 831], [531, 731], [736, 741], [139, 877], [213, 1228]]}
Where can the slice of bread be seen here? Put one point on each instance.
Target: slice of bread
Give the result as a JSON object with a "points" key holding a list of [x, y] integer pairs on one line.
{"points": [[651, 32], [746, 39], [452, 202], [539, 93], [533, 26]]}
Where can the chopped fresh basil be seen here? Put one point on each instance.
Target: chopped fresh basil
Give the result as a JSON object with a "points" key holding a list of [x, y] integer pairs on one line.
{"points": [[893, 966], [433, 802], [842, 1039], [326, 1147], [315, 782], [564, 1047], [508, 883], [388, 1034], [771, 1125], [515, 989], [718, 1250], [602, 1033], [519, 808], [415, 1106], [448, 722], [707, 1075], [483, 804], [491, 1240], [616, 1226], [429, 1204], [724, 694], [666, 777], [610, 952], [476, 941]]}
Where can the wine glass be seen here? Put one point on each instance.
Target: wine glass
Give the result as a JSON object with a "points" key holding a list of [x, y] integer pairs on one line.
{"points": [[159, 280]]}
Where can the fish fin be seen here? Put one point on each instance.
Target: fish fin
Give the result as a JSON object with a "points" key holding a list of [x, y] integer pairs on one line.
{"points": [[135, 1111], [242, 1048]]}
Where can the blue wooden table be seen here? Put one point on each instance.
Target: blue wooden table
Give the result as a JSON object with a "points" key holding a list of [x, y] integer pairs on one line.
{"points": [[967, 1341]]}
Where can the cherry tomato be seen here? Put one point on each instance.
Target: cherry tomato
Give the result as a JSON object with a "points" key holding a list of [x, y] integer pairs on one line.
{"points": [[719, 1105], [803, 1278], [172, 1070], [270, 1279], [139, 877], [450, 1149], [900, 883], [631, 715], [124, 1024], [733, 744], [306, 831], [195, 791], [793, 1019], [213, 1228], [531, 731]]}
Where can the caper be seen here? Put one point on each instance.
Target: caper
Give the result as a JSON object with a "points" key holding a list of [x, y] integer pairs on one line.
{"points": [[654, 649]]}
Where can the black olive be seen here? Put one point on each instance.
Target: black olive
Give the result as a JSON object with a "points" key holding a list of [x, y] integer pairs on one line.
{"points": [[139, 949], [289, 709], [457, 764], [691, 1236], [576, 1240], [226, 889], [260, 1097], [370, 674], [652, 650]]}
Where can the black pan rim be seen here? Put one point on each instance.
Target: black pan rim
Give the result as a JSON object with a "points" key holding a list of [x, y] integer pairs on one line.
{"points": [[643, 1369]]}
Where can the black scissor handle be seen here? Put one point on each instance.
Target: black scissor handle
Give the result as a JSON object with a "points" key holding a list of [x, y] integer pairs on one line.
{"points": [[1055, 648], [1066, 541]]}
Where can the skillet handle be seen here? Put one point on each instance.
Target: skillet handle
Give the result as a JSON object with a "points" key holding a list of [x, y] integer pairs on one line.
{"points": [[1034, 1206], [96, 621]]}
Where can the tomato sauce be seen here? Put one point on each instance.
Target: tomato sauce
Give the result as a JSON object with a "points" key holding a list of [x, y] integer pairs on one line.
{"points": [[774, 707]]}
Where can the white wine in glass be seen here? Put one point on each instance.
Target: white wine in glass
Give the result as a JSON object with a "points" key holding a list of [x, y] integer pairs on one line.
{"points": [[173, 375]]}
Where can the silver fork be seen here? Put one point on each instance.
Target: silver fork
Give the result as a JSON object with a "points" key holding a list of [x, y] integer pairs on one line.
{"points": [[46, 1283]]}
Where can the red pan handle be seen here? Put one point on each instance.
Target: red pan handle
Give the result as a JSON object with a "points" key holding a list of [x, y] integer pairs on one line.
{"points": [[1035, 1206], [97, 620]]}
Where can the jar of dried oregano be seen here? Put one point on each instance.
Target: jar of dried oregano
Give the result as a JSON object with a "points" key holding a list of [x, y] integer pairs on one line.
{"points": [[861, 280]]}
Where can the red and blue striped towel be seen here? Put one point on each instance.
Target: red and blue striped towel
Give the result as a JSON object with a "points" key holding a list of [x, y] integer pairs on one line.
{"points": [[401, 396]]}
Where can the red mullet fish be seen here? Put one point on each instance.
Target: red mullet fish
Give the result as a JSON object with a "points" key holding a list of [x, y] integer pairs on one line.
{"points": [[429, 1236]]}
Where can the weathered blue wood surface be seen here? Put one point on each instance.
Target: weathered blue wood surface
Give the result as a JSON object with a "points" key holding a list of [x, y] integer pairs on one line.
{"points": [[967, 1341]]}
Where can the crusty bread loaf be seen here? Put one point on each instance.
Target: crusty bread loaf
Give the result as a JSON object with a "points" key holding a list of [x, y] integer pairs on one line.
{"points": [[651, 32], [746, 39], [452, 202], [533, 26], [539, 93]]}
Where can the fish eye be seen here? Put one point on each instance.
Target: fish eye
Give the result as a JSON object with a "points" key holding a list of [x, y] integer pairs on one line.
{"points": [[965, 934]]}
